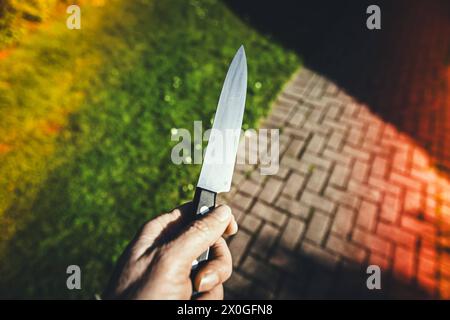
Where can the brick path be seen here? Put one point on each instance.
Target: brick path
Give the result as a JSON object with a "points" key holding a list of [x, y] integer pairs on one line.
{"points": [[351, 191]]}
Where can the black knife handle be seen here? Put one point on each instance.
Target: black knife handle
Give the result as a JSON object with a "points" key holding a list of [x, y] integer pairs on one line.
{"points": [[204, 201]]}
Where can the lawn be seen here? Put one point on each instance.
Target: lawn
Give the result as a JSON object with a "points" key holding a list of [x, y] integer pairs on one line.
{"points": [[85, 126]]}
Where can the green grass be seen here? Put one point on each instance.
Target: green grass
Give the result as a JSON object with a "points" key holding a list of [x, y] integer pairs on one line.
{"points": [[116, 88]]}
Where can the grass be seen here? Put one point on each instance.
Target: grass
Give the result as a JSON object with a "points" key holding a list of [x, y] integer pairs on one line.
{"points": [[15, 15], [85, 130]]}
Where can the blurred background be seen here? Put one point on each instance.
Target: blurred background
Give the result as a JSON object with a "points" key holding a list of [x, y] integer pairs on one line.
{"points": [[86, 116]]}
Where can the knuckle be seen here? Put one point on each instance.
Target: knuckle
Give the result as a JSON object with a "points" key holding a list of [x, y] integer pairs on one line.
{"points": [[226, 210], [226, 207], [200, 227], [147, 227]]}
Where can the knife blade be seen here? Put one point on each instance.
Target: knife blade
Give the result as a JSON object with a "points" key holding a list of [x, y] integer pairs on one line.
{"points": [[220, 156]]}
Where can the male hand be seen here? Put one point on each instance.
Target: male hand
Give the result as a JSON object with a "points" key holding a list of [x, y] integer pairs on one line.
{"points": [[157, 263]]}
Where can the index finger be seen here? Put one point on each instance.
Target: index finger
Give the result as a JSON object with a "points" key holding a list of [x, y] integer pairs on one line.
{"points": [[156, 228]]}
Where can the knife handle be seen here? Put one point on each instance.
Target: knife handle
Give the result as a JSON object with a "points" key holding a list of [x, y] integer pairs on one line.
{"points": [[204, 201]]}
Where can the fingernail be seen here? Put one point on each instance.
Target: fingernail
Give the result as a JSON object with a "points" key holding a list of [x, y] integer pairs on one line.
{"points": [[223, 213], [235, 227], [209, 281]]}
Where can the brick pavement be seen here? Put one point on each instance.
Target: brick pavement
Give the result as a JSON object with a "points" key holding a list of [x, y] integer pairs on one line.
{"points": [[351, 191]]}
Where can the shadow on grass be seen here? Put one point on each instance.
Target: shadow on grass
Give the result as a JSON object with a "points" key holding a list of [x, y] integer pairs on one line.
{"points": [[61, 228], [400, 71]]}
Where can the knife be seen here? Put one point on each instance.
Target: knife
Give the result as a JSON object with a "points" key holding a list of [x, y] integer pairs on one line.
{"points": [[220, 156]]}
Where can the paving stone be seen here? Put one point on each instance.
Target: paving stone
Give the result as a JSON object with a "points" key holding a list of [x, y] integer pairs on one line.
{"points": [[405, 181], [355, 136], [336, 140], [390, 210], [341, 197], [283, 260], [343, 221], [380, 260], [250, 188], [317, 180], [318, 227], [316, 201], [295, 165], [282, 172], [404, 263], [340, 176], [269, 214], [367, 215], [238, 246], [364, 191], [360, 170], [315, 161], [396, 234], [379, 166], [296, 133], [424, 229], [357, 153], [250, 223], [292, 233], [346, 249], [335, 126], [271, 190], [265, 240], [372, 242], [293, 185], [294, 207], [414, 201], [337, 157], [295, 147], [242, 201], [297, 119], [385, 186], [316, 144], [239, 284], [261, 271], [324, 257]]}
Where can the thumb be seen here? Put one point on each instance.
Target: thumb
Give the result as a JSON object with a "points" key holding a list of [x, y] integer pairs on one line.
{"points": [[201, 234]]}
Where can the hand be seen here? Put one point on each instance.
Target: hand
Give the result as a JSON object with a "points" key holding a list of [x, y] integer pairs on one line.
{"points": [[157, 263]]}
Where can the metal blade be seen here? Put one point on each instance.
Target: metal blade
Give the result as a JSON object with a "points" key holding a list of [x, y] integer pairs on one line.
{"points": [[220, 155]]}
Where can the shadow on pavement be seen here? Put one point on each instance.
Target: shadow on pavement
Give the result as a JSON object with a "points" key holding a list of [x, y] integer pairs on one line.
{"points": [[303, 275]]}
